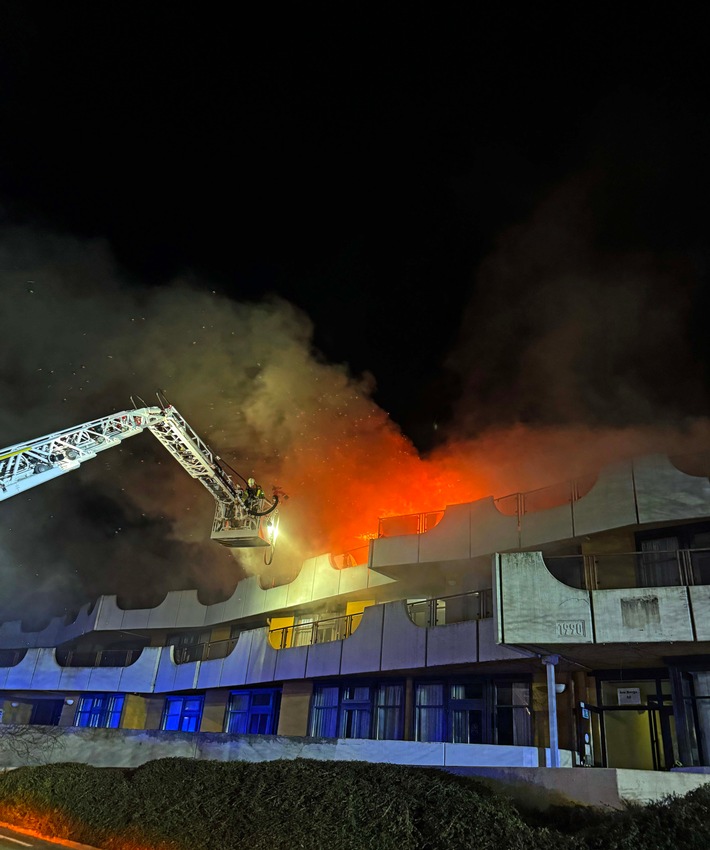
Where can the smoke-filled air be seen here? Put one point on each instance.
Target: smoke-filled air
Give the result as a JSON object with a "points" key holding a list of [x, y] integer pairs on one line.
{"points": [[563, 357]]}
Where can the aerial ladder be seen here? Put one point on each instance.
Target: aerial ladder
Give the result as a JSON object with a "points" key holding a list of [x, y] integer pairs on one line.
{"points": [[244, 516]]}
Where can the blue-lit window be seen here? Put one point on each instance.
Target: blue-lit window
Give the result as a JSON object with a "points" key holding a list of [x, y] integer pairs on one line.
{"points": [[452, 712], [182, 714], [324, 711], [389, 713], [99, 711], [357, 711], [473, 712], [252, 712]]}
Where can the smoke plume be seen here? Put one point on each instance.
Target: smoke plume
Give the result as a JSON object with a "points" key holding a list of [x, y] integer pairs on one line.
{"points": [[569, 356]]}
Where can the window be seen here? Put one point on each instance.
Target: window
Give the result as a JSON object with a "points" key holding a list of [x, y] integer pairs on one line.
{"points": [[700, 557], [252, 712], [450, 712], [513, 717], [467, 710], [358, 711], [474, 712], [189, 646], [659, 566], [182, 714], [355, 712], [324, 711], [389, 713], [675, 555], [429, 712], [100, 711]]}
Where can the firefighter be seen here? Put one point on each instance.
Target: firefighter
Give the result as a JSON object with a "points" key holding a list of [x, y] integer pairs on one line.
{"points": [[254, 495]]}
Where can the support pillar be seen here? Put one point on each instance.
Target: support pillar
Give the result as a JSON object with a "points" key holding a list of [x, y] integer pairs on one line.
{"points": [[550, 661]]}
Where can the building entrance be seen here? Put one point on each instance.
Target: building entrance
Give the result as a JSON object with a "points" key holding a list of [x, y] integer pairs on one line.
{"points": [[636, 726]]}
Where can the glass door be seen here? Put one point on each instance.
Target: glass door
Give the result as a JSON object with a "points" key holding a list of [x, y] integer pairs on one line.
{"points": [[664, 743]]}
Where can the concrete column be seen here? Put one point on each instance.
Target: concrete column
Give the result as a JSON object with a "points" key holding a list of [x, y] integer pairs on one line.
{"points": [[213, 711], [409, 709], [295, 708], [550, 661]]}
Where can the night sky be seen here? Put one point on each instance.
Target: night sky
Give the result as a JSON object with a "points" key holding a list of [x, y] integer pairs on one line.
{"points": [[459, 225]]}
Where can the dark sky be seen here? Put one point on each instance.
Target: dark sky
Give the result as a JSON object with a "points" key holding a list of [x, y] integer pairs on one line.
{"points": [[488, 219], [362, 163]]}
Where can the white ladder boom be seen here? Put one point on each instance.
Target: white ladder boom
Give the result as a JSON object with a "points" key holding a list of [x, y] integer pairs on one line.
{"points": [[29, 464]]}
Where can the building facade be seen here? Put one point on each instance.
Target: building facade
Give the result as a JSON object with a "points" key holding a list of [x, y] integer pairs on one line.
{"points": [[453, 627]]}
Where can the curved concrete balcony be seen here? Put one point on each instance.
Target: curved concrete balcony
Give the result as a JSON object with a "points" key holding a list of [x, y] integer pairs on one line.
{"points": [[320, 579], [534, 607], [11, 657], [58, 630], [385, 640], [446, 610], [644, 490], [97, 658], [315, 631], [39, 670]]}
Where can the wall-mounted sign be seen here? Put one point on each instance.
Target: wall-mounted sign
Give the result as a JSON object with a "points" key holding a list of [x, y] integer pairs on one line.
{"points": [[628, 696], [570, 628]]}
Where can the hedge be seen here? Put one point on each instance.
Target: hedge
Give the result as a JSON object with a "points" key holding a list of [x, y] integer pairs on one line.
{"points": [[183, 804]]}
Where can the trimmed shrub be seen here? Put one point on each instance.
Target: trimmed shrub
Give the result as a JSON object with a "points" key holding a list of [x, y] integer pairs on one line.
{"points": [[182, 804]]}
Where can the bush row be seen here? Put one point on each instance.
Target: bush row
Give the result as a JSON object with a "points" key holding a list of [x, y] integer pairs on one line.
{"points": [[182, 804]]}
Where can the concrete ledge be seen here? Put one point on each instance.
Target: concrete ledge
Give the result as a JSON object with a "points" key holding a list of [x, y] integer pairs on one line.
{"points": [[519, 771], [133, 747], [597, 786]]}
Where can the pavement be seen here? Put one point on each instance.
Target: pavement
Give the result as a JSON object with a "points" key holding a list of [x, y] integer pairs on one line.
{"points": [[17, 838]]}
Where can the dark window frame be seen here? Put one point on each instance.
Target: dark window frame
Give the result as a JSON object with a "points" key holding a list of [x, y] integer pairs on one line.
{"points": [[105, 709], [271, 711], [185, 716], [346, 714], [486, 704]]}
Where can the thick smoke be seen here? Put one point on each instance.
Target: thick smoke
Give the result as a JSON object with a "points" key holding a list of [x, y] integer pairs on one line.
{"points": [[566, 328], [569, 357], [83, 340]]}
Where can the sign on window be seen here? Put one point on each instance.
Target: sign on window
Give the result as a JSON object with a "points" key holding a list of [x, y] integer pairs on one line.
{"points": [[628, 696]]}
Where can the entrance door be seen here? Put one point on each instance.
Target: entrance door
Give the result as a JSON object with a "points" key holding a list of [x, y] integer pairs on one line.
{"points": [[664, 745]]}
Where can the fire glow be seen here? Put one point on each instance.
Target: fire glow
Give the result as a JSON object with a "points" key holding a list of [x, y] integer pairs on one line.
{"points": [[347, 470]]}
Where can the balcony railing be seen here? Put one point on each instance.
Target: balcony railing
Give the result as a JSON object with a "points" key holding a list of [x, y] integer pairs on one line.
{"points": [[445, 610], [204, 651], [96, 658], [515, 504], [393, 526], [351, 558], [545, 498], [656, 568], [316, 631]]}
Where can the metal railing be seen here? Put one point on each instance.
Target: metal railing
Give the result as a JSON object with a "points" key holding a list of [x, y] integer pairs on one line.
{"points": [[96, 657], [531, 501], [208, 651], [514, 504], [446, 610], [393, 526], [351, 558], [544, 498], [617, 570], [315, 631]]}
